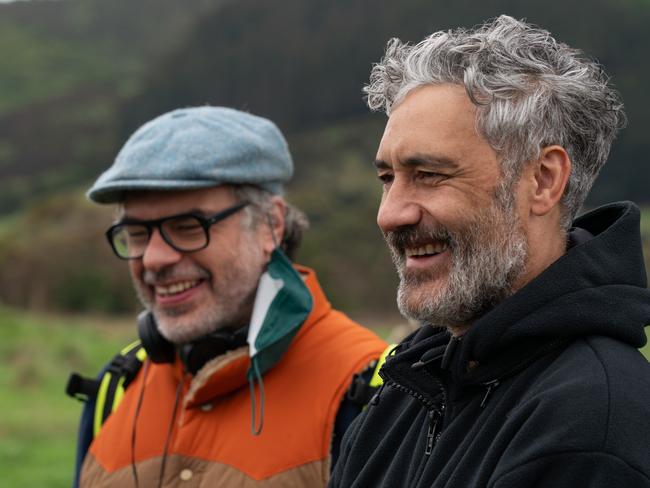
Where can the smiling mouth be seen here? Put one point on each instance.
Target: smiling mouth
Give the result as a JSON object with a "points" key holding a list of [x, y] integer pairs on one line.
{"points": [[175, 288], [426, 250]]}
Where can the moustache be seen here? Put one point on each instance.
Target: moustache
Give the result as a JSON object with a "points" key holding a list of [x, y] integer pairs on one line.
{"points": [[173, 273], [399, 240]]}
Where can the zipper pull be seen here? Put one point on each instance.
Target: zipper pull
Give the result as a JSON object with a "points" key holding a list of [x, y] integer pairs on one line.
{"points": [[375, 398], [490, 385], [434, 418]]}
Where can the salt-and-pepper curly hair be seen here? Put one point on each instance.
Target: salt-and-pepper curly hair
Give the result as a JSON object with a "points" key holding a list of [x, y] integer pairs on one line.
{"points": [[530, 91]]}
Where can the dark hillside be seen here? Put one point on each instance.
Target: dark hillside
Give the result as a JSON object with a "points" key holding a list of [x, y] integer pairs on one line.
{"points": [[77, 76], [144, 26], [50, 47], [85, 73], [67, 67], [303, 63]]}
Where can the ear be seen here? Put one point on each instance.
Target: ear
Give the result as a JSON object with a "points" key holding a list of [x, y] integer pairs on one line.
{"points": [[274, 229], [551, 176]]}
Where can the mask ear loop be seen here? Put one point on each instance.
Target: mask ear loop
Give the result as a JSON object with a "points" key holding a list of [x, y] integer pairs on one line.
{"points": [[256, 429], [256, 376]]}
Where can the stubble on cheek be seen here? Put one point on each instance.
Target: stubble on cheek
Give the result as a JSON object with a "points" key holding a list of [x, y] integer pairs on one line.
{"points": [[144, 292], [487, 254], [177, 323]]}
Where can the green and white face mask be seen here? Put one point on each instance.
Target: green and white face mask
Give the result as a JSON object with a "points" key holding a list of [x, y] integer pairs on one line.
{"points": [[282, 304]]}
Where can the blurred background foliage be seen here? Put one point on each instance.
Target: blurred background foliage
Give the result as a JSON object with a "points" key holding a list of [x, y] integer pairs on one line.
{"points": [[78, 76]]}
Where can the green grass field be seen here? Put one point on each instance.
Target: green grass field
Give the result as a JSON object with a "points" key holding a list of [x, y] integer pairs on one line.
{"points": [[38, 422]]}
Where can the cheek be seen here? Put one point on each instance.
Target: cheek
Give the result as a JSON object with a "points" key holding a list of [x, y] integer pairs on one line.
{"points": [[460, 203], [136, 268], [258, 241], [446, 207], [214, 263], [218, 257]]}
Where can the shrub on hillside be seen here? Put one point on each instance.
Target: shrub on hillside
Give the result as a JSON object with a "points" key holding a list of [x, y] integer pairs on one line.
{"points": [[55, 257]]}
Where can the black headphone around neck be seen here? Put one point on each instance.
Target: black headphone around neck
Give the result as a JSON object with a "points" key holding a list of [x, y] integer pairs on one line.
{"points": [[193, 354]]}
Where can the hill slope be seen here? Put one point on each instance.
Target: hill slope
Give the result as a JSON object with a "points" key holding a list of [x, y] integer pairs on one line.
{"points": [[80, 75]]}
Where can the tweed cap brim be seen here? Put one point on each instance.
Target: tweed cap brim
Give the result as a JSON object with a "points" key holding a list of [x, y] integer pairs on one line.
{"points": [[196, 148]]}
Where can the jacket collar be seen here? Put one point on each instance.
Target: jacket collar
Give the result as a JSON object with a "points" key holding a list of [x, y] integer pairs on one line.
{"points": [[227, 373]]}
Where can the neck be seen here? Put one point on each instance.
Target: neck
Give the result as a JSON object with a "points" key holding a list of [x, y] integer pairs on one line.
{"points": [[544, 248]]}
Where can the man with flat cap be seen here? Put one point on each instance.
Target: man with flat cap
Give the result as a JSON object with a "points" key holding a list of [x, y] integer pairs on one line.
{"points": [[243, 372]]}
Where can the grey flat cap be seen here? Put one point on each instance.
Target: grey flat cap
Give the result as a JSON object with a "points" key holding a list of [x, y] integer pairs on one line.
{"points": [[197, 148]]}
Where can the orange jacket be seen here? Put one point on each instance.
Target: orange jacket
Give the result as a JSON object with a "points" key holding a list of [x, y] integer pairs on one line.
{"points": [[211, 442]]}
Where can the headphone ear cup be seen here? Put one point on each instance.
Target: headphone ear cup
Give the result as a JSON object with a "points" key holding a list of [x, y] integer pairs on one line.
{"points": [[159, 349], [197, 353]]}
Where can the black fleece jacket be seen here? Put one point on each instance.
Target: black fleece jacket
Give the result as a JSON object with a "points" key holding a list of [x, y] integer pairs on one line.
{"points": [[545, 390]]}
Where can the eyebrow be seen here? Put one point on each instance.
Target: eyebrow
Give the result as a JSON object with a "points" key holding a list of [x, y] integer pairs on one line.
{"points": [[430, 161]]}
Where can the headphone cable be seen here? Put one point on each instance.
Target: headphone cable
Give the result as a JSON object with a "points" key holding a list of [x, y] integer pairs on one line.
{"points": [[134, 470], [179, 388]]}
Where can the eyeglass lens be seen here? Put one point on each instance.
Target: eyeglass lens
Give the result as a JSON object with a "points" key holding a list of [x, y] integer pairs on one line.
{"points": [[184, 233]]}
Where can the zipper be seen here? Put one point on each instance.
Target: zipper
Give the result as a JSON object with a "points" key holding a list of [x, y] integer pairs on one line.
{"points": [[490, 387], [435, 413], [433, 433], [434, 430], [376, 397], [408, 391]]}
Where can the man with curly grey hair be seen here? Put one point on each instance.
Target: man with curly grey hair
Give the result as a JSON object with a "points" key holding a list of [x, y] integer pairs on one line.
{"points": [[527, 372]]}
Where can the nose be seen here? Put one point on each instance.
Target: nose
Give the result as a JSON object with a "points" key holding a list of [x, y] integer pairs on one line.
{"points": [[158, 254], [398, 207]]}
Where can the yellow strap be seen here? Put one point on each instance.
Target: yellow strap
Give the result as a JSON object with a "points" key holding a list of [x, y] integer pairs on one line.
{"points": [[376, 380], [99, 403], [131, 346], [119, 393], [141, 354]]}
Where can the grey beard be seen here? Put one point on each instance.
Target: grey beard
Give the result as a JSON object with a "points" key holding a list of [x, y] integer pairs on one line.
{"points": [[487, 257], [230, 307]]}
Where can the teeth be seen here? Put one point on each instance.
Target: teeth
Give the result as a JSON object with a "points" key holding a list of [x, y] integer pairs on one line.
{"points": [[426, 250], [175, 288], [440, 247]]}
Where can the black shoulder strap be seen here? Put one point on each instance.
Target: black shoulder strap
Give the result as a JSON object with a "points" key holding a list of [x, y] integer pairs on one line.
{"points": [[366, 383], [81, 388]]}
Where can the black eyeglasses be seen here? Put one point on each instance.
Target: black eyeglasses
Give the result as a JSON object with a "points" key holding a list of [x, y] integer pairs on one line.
{"points": [[186, 232]]}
